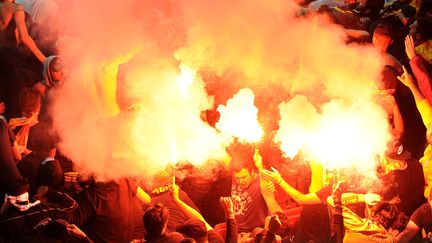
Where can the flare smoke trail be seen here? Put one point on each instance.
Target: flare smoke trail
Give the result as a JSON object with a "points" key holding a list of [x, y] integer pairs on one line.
{"points": [[261, 45]]}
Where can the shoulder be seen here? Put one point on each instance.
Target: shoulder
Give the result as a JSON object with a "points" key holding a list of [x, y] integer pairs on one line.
{"points": [[19, 7], [175, 236], [423, 212]]}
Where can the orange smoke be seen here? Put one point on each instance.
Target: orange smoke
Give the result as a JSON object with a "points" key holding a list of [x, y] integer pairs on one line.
{"points": [[170, 44]]}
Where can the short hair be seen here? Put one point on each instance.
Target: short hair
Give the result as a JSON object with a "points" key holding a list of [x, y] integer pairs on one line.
{"points": [[195, 229], [241, 156], [388, 215], [388, 78], [29, 101], [155, 219], [383, 29], [18, 187], [425, 10], [424, 26], [50, 173]]}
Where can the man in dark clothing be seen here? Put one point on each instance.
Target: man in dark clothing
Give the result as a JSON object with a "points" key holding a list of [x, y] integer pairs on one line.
{"points": [[405, 177], [107, 210], [155, 222], [421, 219], [8, 170], [18, 215]]}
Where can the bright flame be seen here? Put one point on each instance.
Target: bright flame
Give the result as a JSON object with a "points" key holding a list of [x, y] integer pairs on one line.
{"points": [[239, 117], [340, 136], [185, 79]]}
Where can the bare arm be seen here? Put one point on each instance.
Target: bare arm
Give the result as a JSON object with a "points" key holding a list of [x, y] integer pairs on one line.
{"points": [[300, 198], [143, 196], [410, 230], [186, 209], [267, 191], [23, 33]]}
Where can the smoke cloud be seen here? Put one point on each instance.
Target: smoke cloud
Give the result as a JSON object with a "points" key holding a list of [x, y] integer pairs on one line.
{"points": [[225, 45]]}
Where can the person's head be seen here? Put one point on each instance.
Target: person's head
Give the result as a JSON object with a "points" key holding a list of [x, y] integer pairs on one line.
{"points": [[388, 215], [388, 83], [421, 30], [49, 230], [29, 102], [195, 229], [382, 36], [19, 187], [155, 220], [395, 157], [425, 10], [50, 173], [242, 163], [54, 71], [57, 70]]}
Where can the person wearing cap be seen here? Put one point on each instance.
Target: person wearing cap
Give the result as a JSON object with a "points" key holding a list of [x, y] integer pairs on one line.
{"points": [[404, 177], [53, 74]]}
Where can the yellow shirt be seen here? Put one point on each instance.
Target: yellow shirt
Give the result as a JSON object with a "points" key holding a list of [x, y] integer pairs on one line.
{"points": [[425, 110], [425, 50]]}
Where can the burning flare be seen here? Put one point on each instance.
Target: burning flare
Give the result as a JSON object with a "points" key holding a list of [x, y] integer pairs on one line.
{"points": [[239, 118], [341, 135]]}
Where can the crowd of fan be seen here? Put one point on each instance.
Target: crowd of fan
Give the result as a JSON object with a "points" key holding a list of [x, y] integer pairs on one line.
{"points": [[43, 200]]}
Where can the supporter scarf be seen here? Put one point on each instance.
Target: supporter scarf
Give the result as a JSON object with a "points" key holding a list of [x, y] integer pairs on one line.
{"points": [[25, 123], [21, 202]]}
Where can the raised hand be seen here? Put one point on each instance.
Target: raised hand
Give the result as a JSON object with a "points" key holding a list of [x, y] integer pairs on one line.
{"points": [[228, 207], [409, 47], [406, 78], [258, 160], [175, 191], [273, 176]]}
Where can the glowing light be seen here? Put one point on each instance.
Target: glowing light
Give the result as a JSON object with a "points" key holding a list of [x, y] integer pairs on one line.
{"points": [[173, 152], [239, 117], [185, 79], [341, 136]]}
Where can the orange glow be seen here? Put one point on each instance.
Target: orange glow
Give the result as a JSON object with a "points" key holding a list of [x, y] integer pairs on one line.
{"points": [[239, 117], [340, 136], [173, 152], [185, 78]]}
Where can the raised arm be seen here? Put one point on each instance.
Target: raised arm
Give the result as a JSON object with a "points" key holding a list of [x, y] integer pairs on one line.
{"points": [[186, 209], [423, 105], [417, 64], [300, 198], [25, 38], [231, 223]]}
